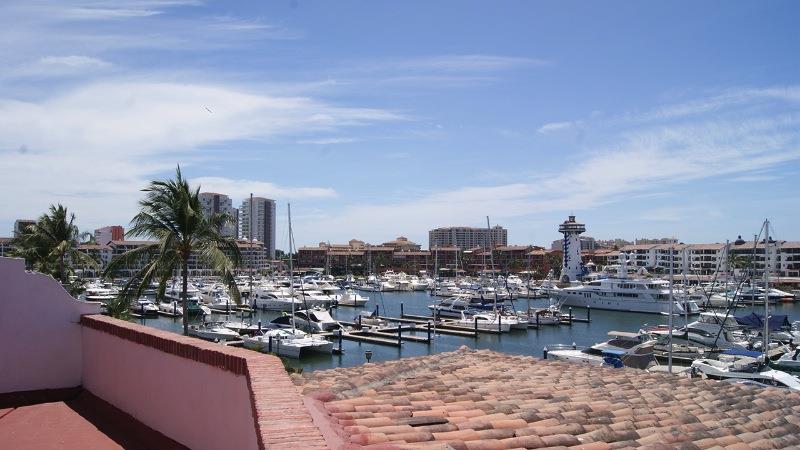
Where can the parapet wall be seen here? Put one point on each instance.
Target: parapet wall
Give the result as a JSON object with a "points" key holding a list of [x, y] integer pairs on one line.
{"points": [[39, 330]]}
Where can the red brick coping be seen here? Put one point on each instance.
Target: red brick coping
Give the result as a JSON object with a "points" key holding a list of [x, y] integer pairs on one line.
{"points": [[281, 419]]}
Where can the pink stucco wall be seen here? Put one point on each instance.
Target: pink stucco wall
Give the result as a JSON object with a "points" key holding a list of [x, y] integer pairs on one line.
{"points": [[196, 404], [39, 331]]}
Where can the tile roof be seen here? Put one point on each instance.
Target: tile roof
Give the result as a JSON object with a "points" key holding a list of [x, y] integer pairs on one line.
{"points": [[482, 399]]}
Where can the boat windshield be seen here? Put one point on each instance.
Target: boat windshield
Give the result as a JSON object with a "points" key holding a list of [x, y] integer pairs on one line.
{"points": [[623, 343]]}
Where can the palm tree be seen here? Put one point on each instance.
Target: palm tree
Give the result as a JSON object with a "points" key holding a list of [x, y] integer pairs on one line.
{"points": [[51, 245], [172, 216]]}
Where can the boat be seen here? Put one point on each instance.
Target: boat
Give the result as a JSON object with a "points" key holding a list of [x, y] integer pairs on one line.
{"points": [[452, 306], [270, 299], [315, 319], [369, 319], [193, 301], [144, 307], [543, 316], [352, 298], [487, 321], [626, 294], [623, 349], [288, 343], [789, 360], [732, 367], [213, 331], [713, 330], [99, 292]]}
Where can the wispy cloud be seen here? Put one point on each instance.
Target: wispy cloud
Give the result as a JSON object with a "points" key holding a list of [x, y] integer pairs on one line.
{"points": [[640, 159], [241, 189], [557, 126], [456, 64], [328, 141], [104, 140]]}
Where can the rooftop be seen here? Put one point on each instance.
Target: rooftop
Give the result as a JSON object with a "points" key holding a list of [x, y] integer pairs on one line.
{"points": [[471, 399]]}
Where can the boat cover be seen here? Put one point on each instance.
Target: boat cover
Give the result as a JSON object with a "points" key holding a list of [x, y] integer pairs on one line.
{"points": [[753, 320], [742, 352]]}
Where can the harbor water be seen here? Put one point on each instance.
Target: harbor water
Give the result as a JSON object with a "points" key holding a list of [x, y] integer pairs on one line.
{"points": [[529, 342]]}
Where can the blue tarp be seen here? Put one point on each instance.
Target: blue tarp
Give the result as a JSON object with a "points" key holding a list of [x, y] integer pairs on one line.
{"points": [[753, 320], [742, 352]]}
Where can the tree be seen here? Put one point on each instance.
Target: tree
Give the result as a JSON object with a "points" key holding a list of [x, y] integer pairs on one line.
{"points": [[172, 216], [51, 246]]}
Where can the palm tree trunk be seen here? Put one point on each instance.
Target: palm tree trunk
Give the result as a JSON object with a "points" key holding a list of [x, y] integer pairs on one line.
{"points": [[185, 294]]}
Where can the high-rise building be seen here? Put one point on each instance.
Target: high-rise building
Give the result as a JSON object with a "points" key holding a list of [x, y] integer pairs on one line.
{"points": [[21, 224], [214, 203], [102, 236], [262, 222], [467, 237]]}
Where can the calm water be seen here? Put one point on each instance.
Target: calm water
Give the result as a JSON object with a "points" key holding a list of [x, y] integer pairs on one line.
{"points": [[530, 342]]}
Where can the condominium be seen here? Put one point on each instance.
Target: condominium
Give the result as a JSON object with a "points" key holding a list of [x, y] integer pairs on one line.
{"points": [[102, 236], [214, 203], [468, 237], [261, 222]]}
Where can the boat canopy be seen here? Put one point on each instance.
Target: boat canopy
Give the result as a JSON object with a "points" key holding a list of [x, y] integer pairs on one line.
{"points": [[753, 320], [742, 352]]}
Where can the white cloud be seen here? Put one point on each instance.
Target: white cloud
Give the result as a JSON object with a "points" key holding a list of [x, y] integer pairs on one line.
{"points": [[555, 126], [94, 147], [456, 63], [328, 141], [241, 189], [641, 160]]}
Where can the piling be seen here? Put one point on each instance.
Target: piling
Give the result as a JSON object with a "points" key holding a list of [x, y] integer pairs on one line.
{"points": [[429, 332], [259, 326], [340, 341], [400, 333], [588, 313], [376, 310], [499, 323], [270, 342], [401, 309], [537, 321], [570, 315], [544, 353], [175, 308], [476, 326]]}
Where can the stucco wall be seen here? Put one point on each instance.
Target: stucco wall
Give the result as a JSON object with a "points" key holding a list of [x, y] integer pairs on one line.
{"points": [[197, 404], [39, 331]]}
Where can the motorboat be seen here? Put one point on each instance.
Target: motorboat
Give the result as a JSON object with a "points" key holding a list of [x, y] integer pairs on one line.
{"points": [[173, 294], [352, 298], [789, 360], [487, 321], [288, 343], [543, 316], [144, 307], [274, 300], [213, 332], [714, 330], [452, 306], [99, 292], [369, 319], [731, 367], [623, 349], [315, 319]]}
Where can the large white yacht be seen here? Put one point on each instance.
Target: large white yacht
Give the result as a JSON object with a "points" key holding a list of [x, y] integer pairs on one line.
{"points": [[628, 349], [626, 294]]}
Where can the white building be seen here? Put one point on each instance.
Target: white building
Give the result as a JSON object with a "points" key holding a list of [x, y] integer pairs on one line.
{"points": [[214, 203], [573, 268], [262, 222]]}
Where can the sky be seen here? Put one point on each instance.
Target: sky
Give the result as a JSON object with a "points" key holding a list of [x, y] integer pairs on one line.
{"points": [[381, 119]]}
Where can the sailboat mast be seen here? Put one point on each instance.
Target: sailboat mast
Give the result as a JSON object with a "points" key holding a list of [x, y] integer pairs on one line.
{"points": [[491, 257], [671, 303], [291, 272], [766, 288]]}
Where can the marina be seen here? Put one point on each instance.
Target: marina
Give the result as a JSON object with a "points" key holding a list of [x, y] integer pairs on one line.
{"points": [[414, 304]]}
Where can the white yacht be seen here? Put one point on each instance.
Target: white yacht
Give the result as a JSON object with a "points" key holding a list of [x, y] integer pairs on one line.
{"points": [[144, 307], [732, 368], [452, 306], [628, 349], [487, 321], [316, 319], [99, 292], [626, 294], [714, 330], [288, 343], [352, 298], [271, 299], [213, 332]]}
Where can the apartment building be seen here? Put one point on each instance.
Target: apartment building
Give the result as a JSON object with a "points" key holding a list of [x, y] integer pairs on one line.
{"points": [[467, 237], [214, 203], [102, 236], [260, 225]]}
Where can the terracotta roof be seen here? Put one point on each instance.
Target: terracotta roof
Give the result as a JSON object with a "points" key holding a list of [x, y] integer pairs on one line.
{"points": [[628, 248], [716, 246], [511, 248], [487, 400], [126, 242]]}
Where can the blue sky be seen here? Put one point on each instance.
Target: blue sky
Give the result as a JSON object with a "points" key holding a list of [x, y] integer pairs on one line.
{"points": [[379, 119]]}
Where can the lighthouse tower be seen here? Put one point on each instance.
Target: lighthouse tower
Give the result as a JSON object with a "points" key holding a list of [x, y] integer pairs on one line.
{"points": [[573, 269]]}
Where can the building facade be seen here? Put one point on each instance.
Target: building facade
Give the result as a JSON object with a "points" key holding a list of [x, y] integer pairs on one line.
{"points": [[467, 237], [214, 203], [261, 222], [21, 224], [102, 236]]}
